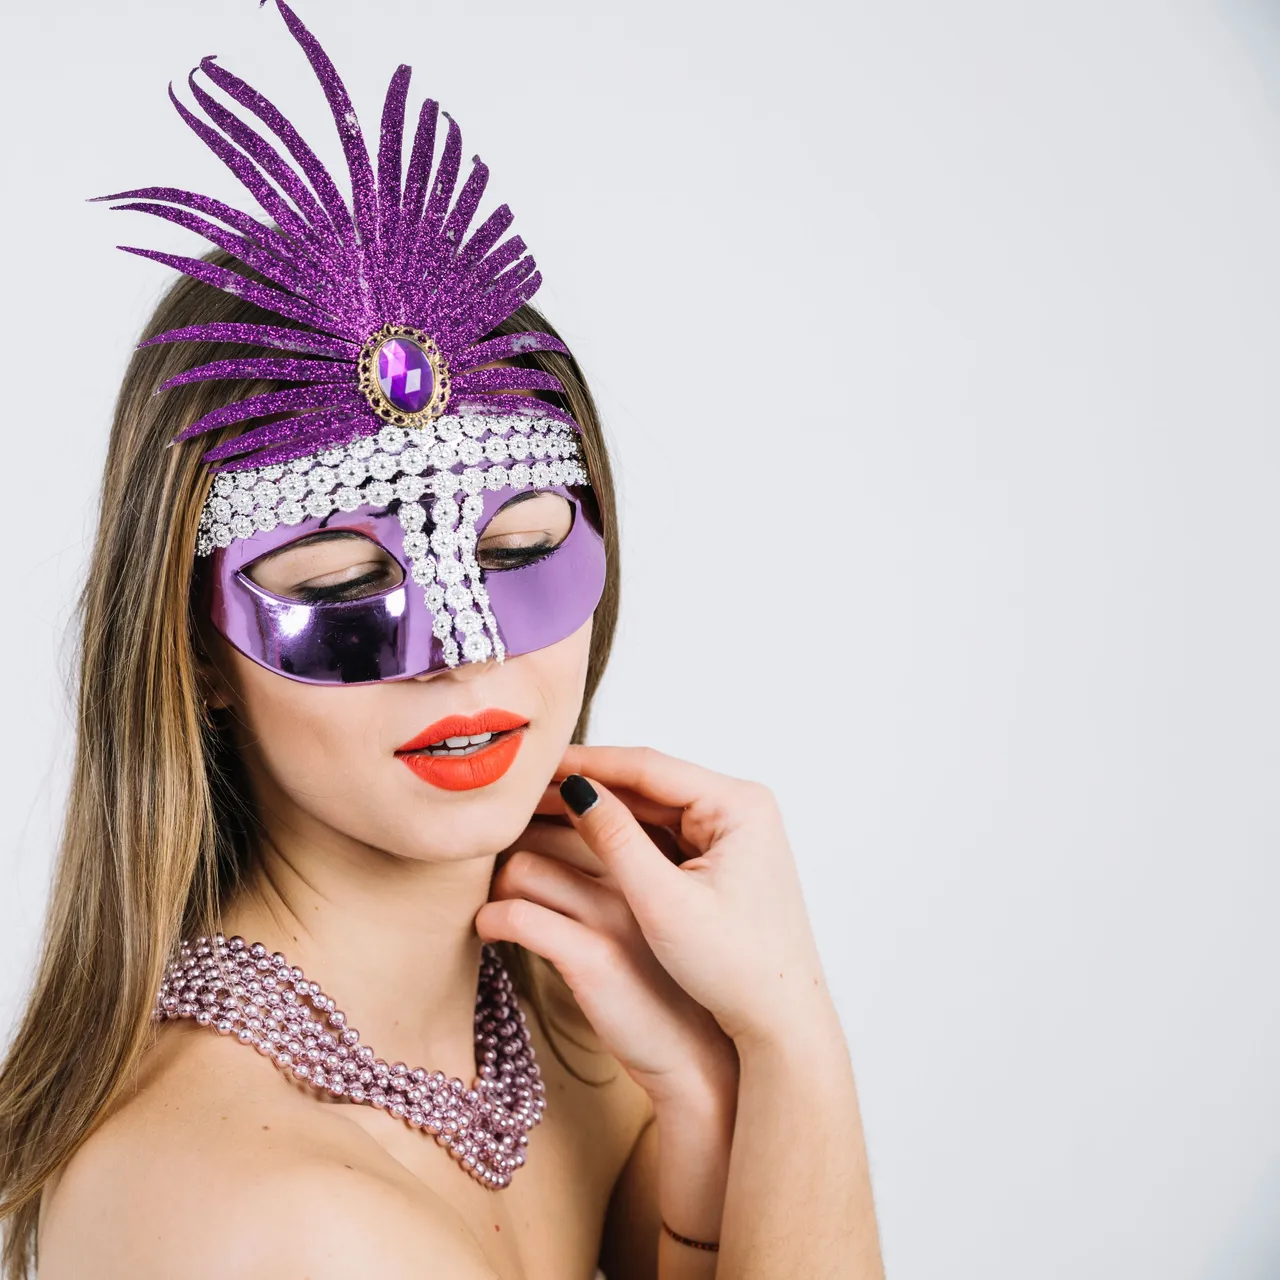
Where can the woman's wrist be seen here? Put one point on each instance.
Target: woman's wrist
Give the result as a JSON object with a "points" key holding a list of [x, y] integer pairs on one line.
{"points": [[706, 1081], [694, 1115], [809, 1030]]}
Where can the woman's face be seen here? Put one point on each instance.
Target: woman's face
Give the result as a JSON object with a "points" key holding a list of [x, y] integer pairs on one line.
{"points": [[355, 758]]}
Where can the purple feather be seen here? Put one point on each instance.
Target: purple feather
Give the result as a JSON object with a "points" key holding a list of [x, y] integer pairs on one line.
{"points": [[266, 264], [322, 183], [487, 235], [455, 227], [397, 252], [446, 175], [259, 368], [511, 344], [344, 116], [260, 335], [265, 156], [281, 432], [390, 149], [341, 432], [243, 168], [505, 378], [318, 397], [498, 261], [283, 304], [248, 227], [494, 307], [419, 176]]}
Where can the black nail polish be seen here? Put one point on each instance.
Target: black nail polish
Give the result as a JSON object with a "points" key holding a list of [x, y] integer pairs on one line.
{"points": [[578, 793]]}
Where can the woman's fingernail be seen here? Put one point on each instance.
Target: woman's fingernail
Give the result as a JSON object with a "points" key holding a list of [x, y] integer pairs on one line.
{"points": [[578, 793]]}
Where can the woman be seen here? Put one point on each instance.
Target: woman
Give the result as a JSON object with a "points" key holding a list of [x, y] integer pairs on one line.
{"points": [[334, 666]]}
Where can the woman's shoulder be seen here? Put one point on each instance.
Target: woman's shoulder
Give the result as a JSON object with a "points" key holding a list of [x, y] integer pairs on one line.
{"points": [[215, 1156], [214, 1160]]}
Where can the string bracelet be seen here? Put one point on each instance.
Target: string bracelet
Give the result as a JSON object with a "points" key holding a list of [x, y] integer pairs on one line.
{"points": [[693, 1244]]}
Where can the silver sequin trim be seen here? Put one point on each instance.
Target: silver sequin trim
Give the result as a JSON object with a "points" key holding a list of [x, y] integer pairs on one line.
{"points": [[438, 473]]}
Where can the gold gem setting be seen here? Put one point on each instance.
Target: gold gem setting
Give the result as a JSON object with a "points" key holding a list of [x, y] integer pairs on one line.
{"points": [[372, 391]]}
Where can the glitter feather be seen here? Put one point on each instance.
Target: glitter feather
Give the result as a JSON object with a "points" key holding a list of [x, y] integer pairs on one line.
{"points": [[260, 335], [265, 368], [296, 398], [281, 434], [396, 254], [266, 111]]}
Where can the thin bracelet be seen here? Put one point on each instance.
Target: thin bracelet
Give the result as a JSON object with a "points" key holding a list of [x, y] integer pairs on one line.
{"points": [[693, 1244]]}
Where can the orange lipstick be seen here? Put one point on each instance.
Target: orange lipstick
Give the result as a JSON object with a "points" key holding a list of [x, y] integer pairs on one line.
{"points": [[468, 766]]}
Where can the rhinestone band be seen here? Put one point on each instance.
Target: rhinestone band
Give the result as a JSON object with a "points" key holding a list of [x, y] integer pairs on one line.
{"points": [[439, 464], [259, 998]]}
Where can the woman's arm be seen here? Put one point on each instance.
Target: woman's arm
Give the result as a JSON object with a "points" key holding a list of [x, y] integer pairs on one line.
{"points": [[677, 1172], [799, 1196], [730, 926], [786, 1189], [685, 969]]}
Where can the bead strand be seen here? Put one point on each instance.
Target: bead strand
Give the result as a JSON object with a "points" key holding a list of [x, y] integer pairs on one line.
{"points": [[239, 989]]}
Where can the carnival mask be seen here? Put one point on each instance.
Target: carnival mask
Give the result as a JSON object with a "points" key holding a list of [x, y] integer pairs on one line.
{"points": [[400, 430]]}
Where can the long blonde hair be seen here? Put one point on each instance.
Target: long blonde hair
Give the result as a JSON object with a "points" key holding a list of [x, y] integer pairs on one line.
{"points": [[158, 825]]}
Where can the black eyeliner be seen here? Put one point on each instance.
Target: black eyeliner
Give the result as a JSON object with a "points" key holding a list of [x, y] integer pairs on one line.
{"points": [[321, 595], [516, 557]]}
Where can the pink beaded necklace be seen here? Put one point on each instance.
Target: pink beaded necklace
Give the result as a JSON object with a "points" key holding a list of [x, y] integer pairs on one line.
{"points": [[259, 998]]}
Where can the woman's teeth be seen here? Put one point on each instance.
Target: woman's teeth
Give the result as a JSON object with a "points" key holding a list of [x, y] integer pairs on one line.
{"points": [[462, 746]]}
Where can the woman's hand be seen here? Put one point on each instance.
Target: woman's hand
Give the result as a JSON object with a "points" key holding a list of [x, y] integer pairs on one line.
{"points": [[728, 924], [553, 896], [785, 1186]]}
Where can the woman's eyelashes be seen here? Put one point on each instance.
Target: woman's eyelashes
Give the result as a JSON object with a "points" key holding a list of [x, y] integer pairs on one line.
{"points": [[497, 556], [530, 527], [328, 567], [353, 584]]}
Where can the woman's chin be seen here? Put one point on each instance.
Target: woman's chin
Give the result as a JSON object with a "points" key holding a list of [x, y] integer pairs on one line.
{"points": [[469, 827]]}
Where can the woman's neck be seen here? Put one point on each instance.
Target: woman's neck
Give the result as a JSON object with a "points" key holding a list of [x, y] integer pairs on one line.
{"points": [[392, 940]]}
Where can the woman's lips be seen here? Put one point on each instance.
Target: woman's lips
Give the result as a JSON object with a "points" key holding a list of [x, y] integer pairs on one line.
{"points": [[486, 764]]}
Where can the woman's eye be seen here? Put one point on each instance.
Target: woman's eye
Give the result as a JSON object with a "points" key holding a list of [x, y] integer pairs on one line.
{"points": [[327, 567], [526, 529], [347, 584]]}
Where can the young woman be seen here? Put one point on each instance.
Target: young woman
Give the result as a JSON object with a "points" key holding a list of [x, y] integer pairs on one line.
{"points": [[332, 815]]}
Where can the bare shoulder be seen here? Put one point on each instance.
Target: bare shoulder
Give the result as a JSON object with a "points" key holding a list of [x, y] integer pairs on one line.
{"points": [[217, 1159], [204, 1164]]}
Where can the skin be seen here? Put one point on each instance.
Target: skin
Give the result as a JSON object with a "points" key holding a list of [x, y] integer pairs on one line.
{"points": [[727, 1105]]}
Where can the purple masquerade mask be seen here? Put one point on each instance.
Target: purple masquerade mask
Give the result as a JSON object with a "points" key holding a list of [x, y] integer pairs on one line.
{"points": [[394, 431]]}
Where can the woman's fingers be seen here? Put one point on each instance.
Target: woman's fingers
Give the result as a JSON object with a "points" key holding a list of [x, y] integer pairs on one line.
{"points": [[646, 809], [563, 888], [673, 783], [559, 840], [642, 870], [702, 806], [576, 950]]}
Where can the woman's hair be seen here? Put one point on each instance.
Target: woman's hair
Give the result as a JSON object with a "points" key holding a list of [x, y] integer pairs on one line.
{"points": [[159, 825]]}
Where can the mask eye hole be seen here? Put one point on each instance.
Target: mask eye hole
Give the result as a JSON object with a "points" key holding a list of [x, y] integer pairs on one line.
{"points": [[328, 566], [523, 530]]}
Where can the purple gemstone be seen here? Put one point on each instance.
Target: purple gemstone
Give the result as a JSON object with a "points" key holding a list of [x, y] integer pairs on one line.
{"points": [[404, 374]]}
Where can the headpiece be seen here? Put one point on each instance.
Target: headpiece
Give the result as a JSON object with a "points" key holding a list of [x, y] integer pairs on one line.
{"points": [[395, 428]]}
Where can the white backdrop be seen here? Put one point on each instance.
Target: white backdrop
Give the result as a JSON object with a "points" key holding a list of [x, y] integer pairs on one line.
{"points": [[938, 345]]}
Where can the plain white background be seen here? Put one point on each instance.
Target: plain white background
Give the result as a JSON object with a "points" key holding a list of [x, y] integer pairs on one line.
{"points": [[938, 345]]}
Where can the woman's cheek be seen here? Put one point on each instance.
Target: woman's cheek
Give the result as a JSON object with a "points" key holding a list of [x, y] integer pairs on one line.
{"points": [[324, 751], [312, 741]]}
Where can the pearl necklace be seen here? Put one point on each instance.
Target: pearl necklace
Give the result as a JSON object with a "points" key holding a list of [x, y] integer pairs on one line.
{"points": [[259, 998]]}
